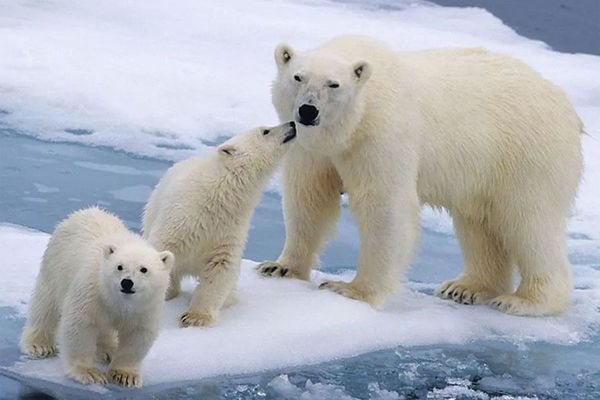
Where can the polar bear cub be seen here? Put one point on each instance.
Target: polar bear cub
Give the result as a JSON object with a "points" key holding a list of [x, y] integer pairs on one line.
{"points": [[106, 286], [201, 211]]}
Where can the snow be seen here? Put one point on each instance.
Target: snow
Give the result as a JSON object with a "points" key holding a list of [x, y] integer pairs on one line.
{"points": [[163, 81], [284, 323]]}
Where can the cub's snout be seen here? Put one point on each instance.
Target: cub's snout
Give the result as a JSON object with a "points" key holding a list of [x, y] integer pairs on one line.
{"points": [[127, 286]]}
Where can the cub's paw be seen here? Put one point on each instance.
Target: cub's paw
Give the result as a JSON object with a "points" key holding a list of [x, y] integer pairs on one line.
{"points": [[347, 289], [40, 350], [517, 305], [124, 377], [271, 268], [191, 318], [87, 375], [463, 293]]}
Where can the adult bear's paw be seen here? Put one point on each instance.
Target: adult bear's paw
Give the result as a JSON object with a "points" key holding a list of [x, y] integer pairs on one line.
{"points": [[517, 305], [464, 293], [274, 269]]}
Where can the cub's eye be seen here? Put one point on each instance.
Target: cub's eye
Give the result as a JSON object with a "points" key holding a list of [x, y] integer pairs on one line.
{"points": [[297, 78], [143, 270], [120, 267], [266, 132], [334, 85]]}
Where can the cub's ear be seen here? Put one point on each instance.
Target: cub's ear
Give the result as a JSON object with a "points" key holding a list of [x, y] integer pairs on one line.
{"points": [[227, 150], [167, 258], [108, 250], [361, 71], [283, 54]]}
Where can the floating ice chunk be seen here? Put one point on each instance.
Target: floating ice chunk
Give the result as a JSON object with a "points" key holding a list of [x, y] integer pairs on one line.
{"points": [[281, 323]]}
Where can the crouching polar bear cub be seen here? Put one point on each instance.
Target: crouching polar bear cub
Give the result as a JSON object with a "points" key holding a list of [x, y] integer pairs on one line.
{"points": [[480, 134], [106, 286], [201, 210]]}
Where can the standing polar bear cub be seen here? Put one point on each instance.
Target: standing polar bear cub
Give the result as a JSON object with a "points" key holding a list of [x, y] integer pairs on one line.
{"points": [[106, 286], [201, 211], [477, 133]]}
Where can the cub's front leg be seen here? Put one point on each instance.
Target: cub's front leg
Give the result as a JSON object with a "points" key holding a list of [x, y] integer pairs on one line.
{"points": [[217, 283], [79, 342], [134, 344]]}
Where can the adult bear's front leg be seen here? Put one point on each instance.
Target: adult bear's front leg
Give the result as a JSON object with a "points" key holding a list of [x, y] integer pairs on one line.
{"points": [[388, 227], [311, 205]]}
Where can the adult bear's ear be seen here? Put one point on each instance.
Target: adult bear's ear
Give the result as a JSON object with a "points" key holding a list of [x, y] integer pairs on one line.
{"points": [[361, 71], [283, 54], [108, 250], [227, 150], [167, 258]]}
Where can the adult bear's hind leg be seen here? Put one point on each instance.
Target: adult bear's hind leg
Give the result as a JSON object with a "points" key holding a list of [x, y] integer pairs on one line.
{"points": [[488, 268], [540, 253]]}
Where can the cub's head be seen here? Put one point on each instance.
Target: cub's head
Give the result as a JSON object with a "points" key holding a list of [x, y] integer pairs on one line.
{"points": [[257, 151], [321, 93], [135, 272]]}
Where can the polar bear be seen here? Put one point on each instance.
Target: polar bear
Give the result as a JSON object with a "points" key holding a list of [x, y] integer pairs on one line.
{"points": [[201, 210], [106, 286], [477, 133]]}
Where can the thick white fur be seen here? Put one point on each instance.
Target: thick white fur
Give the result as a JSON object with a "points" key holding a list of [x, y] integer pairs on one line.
{"points": [[477, 133], [201, 211], [80, 286]]}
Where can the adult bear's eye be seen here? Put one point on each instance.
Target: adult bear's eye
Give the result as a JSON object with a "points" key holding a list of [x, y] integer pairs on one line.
{"points": [[143, 270], [120, 267], [298, 78], [266, 132], [334, 85]]}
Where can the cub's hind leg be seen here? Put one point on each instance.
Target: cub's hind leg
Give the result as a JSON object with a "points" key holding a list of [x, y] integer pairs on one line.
{"points": [[38, 338]]}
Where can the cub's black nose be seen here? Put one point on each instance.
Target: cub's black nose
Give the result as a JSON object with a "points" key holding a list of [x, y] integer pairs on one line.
{"points": [[126, 285], [291, 133], [309, 115]]}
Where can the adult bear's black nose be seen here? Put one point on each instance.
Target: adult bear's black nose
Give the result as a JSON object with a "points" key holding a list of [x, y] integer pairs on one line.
{"points": [[309, 115], [126, 285]]}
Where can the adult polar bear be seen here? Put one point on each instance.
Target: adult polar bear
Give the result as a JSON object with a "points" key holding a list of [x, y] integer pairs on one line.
{"points": [[479, 134]]}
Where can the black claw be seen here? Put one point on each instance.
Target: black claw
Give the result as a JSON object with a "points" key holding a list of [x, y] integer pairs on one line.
{"points": [[284, 271], [451, 293], [322, 285]]}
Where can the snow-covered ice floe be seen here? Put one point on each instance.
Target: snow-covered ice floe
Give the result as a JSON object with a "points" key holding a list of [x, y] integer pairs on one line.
{"points": [[163, 79], [282, 323]]}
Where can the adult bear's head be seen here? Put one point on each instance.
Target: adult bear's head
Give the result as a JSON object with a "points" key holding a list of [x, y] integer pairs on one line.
{"points": [[322, 93]]}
